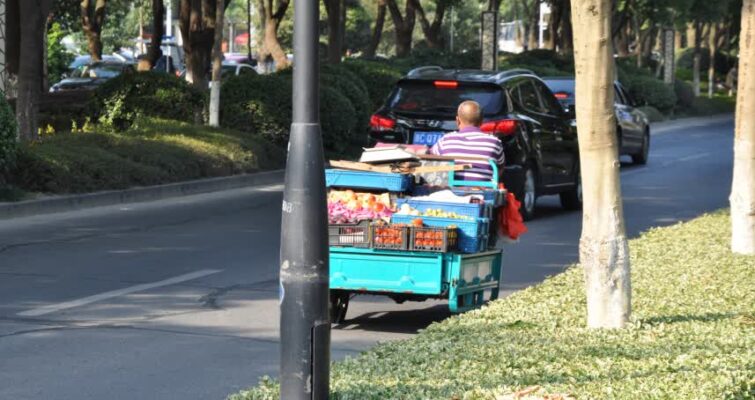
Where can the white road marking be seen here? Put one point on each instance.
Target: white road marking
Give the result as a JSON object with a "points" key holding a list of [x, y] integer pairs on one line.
{"points": [[51, 308]]}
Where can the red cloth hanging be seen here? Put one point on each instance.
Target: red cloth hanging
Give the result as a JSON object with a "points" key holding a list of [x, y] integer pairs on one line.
{"points": [[510, 222]]}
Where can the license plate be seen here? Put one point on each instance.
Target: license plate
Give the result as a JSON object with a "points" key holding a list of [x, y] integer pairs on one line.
{"points": [[427, 138]]}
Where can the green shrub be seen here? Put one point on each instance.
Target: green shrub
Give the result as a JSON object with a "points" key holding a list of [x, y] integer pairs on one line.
{"points": [[652, 113], [723, 62], [120, 101], [653, 92], [262, 104], [627, 69], [685, 94], [151, 152], [259, 104], [8, 137], [687, 74], [379, 77], [547, 60], [358, 98]]}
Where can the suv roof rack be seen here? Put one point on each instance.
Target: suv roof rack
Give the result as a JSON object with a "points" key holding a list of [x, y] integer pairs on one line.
{"points": [[421, 70], [510, 72]]}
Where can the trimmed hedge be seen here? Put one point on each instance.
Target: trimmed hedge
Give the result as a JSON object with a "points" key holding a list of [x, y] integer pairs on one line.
{"points": [[262, 104], [690, 336], [120, 101], [8, 137], [649, 91], [379, 77], [155, 152]]}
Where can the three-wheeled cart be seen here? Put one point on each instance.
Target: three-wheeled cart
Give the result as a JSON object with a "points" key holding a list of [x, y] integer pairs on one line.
{"points": [[466, 279]]}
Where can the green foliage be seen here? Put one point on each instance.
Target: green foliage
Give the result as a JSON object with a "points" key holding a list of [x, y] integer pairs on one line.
{"points": [[262, 104], [723, 62], [685, 94], [379, 77], [652, 113], [690, 337], [353, 88], [8, 137], [58, 58], [122, 100], [158, 151], [541, 62], [653, 92]]}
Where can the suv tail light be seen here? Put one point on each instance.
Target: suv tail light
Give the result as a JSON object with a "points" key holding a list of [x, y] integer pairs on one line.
{"points": [[446, 84], [503, 127], [380, 123], [561, 95]]}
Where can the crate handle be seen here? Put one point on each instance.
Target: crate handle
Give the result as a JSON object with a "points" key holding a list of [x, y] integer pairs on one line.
{"points": [[493, 183]]}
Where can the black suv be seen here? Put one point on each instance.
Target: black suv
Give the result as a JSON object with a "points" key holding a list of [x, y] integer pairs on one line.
{"points": [[540, 142]]}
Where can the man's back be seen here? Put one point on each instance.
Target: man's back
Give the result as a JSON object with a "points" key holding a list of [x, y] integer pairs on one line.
{"points": [[471, 142]]}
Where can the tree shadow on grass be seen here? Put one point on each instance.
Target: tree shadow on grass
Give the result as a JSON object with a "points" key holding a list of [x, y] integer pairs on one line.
{"points": [[672, 319]]}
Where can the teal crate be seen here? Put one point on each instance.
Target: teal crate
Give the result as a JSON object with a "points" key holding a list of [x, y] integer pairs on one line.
{"points": [[473, 235], [368, 180]]}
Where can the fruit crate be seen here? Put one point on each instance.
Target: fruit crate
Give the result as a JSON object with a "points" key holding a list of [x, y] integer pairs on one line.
{"points": [[472, 210], [473, 235], [437, 240], [368, 180], [349, 235], [390, 237]]}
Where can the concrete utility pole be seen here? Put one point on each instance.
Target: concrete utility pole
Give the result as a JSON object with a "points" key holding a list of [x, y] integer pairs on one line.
{"points": [[489, 40], [305, 321], [668, 55], [168, 18]]}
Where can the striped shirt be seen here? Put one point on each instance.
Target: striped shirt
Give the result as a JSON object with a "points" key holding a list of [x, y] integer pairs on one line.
{"points": [[471, 142]]}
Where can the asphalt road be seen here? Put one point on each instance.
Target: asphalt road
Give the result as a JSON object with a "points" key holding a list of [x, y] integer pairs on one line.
{"points": [[177, 299]]}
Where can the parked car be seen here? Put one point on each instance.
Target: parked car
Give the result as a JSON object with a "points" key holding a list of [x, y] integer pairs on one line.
{"points": [[540, 143], [84, 60], [632, 126], [89, 77], [227, 70]]}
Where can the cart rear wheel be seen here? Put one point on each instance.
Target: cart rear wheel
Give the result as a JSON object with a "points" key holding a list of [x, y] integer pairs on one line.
{"points": [[339, 304]]}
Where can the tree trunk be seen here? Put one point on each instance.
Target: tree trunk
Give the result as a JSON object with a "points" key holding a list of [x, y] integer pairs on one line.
{"points": [[565, 44], [668, 58], [432, 31], [217, 65], [554, 21], [197, 20], [712, 63], [534, 29], [333, 8], [604, 252], [32, 17], [158, 30], [696, 58], [622, 42], [403, 26], [742, 197], [92, 20], [377, 31], [271, 20]]}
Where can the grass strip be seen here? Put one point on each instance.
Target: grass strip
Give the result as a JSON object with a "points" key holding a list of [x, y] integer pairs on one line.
{"points": [[153, 152], [692, 335]]}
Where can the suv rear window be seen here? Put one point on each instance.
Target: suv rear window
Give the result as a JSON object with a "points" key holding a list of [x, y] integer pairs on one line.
{"points": [[560, 85], [423, 97]]}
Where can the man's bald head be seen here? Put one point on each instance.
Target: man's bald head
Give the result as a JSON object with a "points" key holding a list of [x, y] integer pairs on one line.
{"points": [[469, 114]]}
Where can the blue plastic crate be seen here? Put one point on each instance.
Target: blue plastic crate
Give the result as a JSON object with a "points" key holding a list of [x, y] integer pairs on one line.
{"points": [[474, 210], [368, 180], [491, 196], [473, 235]]}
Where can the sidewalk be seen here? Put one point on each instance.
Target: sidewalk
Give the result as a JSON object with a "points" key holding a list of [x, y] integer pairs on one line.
{"points": [[665, 126]]}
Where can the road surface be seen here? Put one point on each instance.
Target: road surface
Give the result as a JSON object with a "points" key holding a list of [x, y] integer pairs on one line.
{"points": [[178, 299]]}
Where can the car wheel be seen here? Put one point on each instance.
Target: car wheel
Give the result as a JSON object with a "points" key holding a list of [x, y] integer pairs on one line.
{"points": [[528, 196], [641, 158], [572, 199]]}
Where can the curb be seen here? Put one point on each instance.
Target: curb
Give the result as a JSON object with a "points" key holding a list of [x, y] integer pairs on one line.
{"points": [[136, 195], [660, 127]]}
